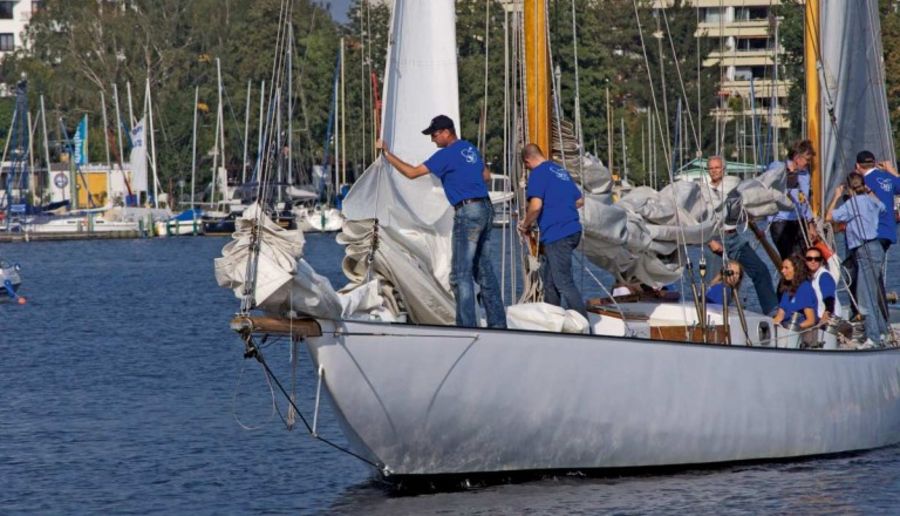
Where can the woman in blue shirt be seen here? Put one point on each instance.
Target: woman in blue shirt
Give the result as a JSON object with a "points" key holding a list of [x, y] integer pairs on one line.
{"points": [[797, 294], [717, 292]]}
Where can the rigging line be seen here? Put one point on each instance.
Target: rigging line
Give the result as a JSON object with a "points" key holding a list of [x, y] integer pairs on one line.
{"points": [[687, 104], [579, 137], [482, 136], [681, 240], [257, 353], [662, 136], [584, 267], [833, 123], [554, 84], [234, 396]]}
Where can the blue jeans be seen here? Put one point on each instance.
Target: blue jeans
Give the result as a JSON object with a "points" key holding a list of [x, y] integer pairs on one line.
{"points": [[739, 250], [556, 274], [869, 257], [471, 261]]}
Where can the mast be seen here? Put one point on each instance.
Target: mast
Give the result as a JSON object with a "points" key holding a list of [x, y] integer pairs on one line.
{"points": [[813, 128], [194, 147], [537, 74], [152, 148], [343, 123], [246, 134], [106, 146]]}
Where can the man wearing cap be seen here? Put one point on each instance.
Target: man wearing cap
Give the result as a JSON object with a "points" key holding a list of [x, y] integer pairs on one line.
{"points": [[553, 201], [459, 166], [734, 242], [885, 186]]}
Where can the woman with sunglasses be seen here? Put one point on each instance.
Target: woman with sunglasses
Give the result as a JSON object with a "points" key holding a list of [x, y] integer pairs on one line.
{"points": [[797, 294], [823, 284]]}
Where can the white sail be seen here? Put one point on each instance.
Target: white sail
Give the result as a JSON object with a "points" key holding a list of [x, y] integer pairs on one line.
{"points": [[420, 83], [853, 86]]}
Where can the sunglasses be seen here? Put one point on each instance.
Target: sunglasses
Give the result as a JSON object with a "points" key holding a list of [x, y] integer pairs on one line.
{"points": [[813, 258]]}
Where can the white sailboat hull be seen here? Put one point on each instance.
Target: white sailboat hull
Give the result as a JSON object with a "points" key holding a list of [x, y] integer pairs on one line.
{"points": [[319, 219], [443, 400]]}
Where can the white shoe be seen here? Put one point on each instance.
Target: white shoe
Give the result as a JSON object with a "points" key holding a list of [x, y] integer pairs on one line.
{"points": [[868, 344]]}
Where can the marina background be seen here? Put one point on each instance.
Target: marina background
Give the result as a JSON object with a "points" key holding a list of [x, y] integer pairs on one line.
{"points": [[124, 388]]}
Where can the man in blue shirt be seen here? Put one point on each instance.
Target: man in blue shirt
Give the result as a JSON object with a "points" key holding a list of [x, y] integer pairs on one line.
{"points": [[459, 166], [553, 201], [861, 213], [885, 186], [785, 225]]}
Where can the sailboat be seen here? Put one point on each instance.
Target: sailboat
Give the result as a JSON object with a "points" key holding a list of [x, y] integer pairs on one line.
{"points": [[655, 385], [323, 216]]}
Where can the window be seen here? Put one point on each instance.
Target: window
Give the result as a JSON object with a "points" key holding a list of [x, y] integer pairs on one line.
{"points": [[6, 10], [7, 42]]}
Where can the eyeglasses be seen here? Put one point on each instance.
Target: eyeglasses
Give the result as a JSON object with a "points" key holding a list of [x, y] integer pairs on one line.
{"points": [[813, 258]]}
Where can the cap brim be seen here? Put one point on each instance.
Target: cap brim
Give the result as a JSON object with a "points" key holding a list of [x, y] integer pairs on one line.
{"points": [[428, 130]]}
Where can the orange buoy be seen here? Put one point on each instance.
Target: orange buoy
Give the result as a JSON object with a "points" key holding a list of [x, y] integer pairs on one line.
{"points": [[22, 300]]}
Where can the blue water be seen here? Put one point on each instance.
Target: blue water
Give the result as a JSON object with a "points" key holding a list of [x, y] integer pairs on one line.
{"points": [[124, 391]]}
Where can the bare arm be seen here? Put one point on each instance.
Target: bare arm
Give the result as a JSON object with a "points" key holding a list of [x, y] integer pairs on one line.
{"points": [[810, 318], [535, 204], [486, 175], [403, 167], [837, 195], [579, 203], [779, 316], [889, 167]]}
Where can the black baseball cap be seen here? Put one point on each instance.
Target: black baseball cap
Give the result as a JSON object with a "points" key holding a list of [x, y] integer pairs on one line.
{"points": [[865, 157], [439, 122]]}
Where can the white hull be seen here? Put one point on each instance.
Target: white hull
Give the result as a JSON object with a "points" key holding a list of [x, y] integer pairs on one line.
{"points": [[443, 400], [81, 225], [179, 227], [318, 219]]}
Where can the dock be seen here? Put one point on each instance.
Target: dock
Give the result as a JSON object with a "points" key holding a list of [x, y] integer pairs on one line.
{"points": [[82, 235]]}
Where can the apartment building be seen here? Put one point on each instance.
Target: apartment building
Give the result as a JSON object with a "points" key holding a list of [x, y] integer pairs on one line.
{"points": [[14, 17], [747, 53]]}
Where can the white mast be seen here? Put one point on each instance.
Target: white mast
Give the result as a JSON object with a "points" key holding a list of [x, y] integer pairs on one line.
{"points": [[46, 143], [246, 133], [149, 103], [343, 124], [130, 109], [119, 136]]}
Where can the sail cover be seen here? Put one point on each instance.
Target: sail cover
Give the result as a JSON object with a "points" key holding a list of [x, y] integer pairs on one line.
{"points": [[853, 86], [420, 83]]}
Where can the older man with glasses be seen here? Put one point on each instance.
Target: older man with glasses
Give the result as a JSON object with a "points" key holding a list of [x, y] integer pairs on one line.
{"points": [[734, 243]]}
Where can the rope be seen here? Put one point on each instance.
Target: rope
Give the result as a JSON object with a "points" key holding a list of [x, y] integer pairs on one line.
{"points": [[254, 351]]}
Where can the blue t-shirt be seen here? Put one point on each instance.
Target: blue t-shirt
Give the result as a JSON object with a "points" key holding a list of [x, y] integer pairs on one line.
{"points": [[714, 294], [885, 186], [801, 203], [461, 171], [804, 298], [554, 186], [861, 213]]}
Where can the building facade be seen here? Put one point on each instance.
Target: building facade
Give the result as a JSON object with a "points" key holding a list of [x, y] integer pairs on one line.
{"points": [[747, 53], [14, 18]]}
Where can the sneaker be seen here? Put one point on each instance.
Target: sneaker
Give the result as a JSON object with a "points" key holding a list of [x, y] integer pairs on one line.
{"points": [[868, 344]]}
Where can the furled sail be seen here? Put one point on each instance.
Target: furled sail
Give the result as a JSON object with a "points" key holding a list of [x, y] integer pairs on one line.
{"points": [[412, 217], [853, 89]]}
